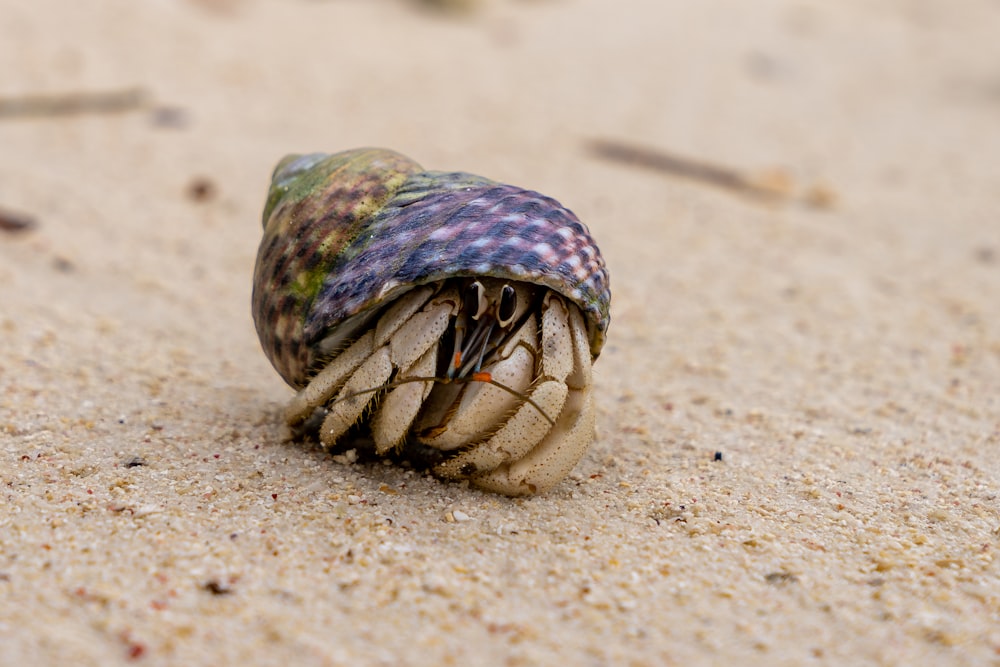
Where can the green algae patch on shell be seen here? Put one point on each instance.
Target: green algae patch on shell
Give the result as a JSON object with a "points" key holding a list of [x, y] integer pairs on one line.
{"points": [[344, 233], [316, 206]]}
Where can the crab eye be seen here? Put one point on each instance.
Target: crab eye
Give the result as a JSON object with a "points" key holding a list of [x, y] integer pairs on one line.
{"points": [[507, 306], [475, 300]]}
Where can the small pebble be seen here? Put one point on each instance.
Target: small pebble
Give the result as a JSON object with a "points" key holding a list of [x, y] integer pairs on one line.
{"points": [[11, 221], [215, 587], [201, 189], [174, 118], [347, 458], [62, 264], [146, 510]]}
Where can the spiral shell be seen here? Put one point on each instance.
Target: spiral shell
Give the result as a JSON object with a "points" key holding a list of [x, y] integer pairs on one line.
{"points": [[347, 234]]}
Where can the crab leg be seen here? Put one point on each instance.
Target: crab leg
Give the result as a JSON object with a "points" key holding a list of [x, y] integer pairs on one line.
{"points": [[403, 337], [523, 432], [397, 411], [562, 447], [479, 406]]}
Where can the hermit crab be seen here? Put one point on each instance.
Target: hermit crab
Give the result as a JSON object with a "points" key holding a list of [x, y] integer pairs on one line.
{"points": [[434, 312]]}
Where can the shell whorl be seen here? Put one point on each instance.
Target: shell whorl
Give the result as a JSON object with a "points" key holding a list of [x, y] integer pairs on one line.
{"points": [[343, 233]]}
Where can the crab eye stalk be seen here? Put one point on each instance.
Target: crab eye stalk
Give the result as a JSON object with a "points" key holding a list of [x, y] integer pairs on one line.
{"points": [[507, 306], [475, 303]]}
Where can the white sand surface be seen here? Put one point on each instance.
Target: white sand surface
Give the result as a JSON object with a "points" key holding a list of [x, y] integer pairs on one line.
{"points": [[840, 347]]}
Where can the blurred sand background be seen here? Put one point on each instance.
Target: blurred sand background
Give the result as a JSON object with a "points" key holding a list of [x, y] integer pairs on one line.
{"points": [[838, 344]]}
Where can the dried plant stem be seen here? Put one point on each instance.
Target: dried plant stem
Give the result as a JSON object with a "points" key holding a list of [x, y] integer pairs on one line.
{"points": [[66, 104], [769, 185]]}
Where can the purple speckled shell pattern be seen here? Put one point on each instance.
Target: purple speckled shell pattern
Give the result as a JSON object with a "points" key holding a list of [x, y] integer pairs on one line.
{"points": [[342, 233]]}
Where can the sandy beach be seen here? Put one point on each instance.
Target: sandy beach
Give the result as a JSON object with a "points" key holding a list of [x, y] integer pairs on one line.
{"points": [[798, 402]]}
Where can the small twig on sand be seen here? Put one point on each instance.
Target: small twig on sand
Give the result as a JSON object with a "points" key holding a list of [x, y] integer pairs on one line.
{"points": [[772, 185], [34, 106]]}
